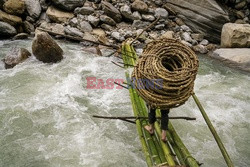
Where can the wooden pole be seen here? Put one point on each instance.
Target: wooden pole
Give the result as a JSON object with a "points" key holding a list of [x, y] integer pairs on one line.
{"points": [[139, 117], [79, 39], [213, 131]]}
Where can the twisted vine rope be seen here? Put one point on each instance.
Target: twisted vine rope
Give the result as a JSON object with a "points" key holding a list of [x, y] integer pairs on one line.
{"points": [[165, 72]]}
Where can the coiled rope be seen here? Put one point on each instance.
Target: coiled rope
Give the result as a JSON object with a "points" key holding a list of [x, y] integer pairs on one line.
{"points": [[165, 72]]}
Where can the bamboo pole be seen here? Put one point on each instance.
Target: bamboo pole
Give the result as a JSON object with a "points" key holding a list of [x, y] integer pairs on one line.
{"points": [[213, 131], [139, 130], [138, 117], [79, 39], [188, 159], [152, 146], [173, 145]]}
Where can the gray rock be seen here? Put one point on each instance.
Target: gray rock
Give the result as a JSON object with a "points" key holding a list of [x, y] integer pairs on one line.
{"points": [[161, 12], [205, 17], [204, 42], [185, 36], [73, 31], [140, 6], [159, 2], [84, 10], [107, 20], [58, 28], [111, 11], [240, 14], [68, 5], [16, 56], [21, 36], [160, 26], [148, 17], [236, 57], [200, 49], [116, 35], [73, 22], [28, 27], [197, 37], [46, 49], [107, 27], [186, 28], [136, 16], [33, 7], [126, 12], [240, 5], [138, 24], [93, 20], [85, 26], [235, 35]]}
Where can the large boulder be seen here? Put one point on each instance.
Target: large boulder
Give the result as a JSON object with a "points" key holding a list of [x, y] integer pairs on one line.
{"points": [[6, 30], [15, 7], [68, 5], [234, 57], [111, 11], [16, 56], [46, 49], [202, 16], [58, 15], [11, 19], [235, 36], [34, 8]]}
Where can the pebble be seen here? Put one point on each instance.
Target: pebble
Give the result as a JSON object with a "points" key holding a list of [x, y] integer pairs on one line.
{"points": [[186, 28], [161, 12], [204, 42], [85, 26], [107, 20], [185, 36], [200, 48], [160, 26], [93, 20], [148, 17]]}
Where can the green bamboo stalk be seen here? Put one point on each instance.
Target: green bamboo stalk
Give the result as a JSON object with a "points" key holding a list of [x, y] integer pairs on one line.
{"points": [[174, 146], [213, 131], [188, 159], [145, 122], [139, 130], [166, 149], [152, 146]]}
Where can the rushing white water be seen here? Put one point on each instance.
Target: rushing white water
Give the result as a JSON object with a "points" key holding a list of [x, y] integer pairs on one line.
{"points": [[45, 114]]}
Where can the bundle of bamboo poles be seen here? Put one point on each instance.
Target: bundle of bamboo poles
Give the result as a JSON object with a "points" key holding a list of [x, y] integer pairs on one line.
{"points": [[157, 153]]}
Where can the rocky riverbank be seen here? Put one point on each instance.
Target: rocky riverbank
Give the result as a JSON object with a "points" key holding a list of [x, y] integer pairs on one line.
{"points": [[196, 23]]}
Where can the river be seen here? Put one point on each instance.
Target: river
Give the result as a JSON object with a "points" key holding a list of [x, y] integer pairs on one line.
{"points": [[46, 113]]}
